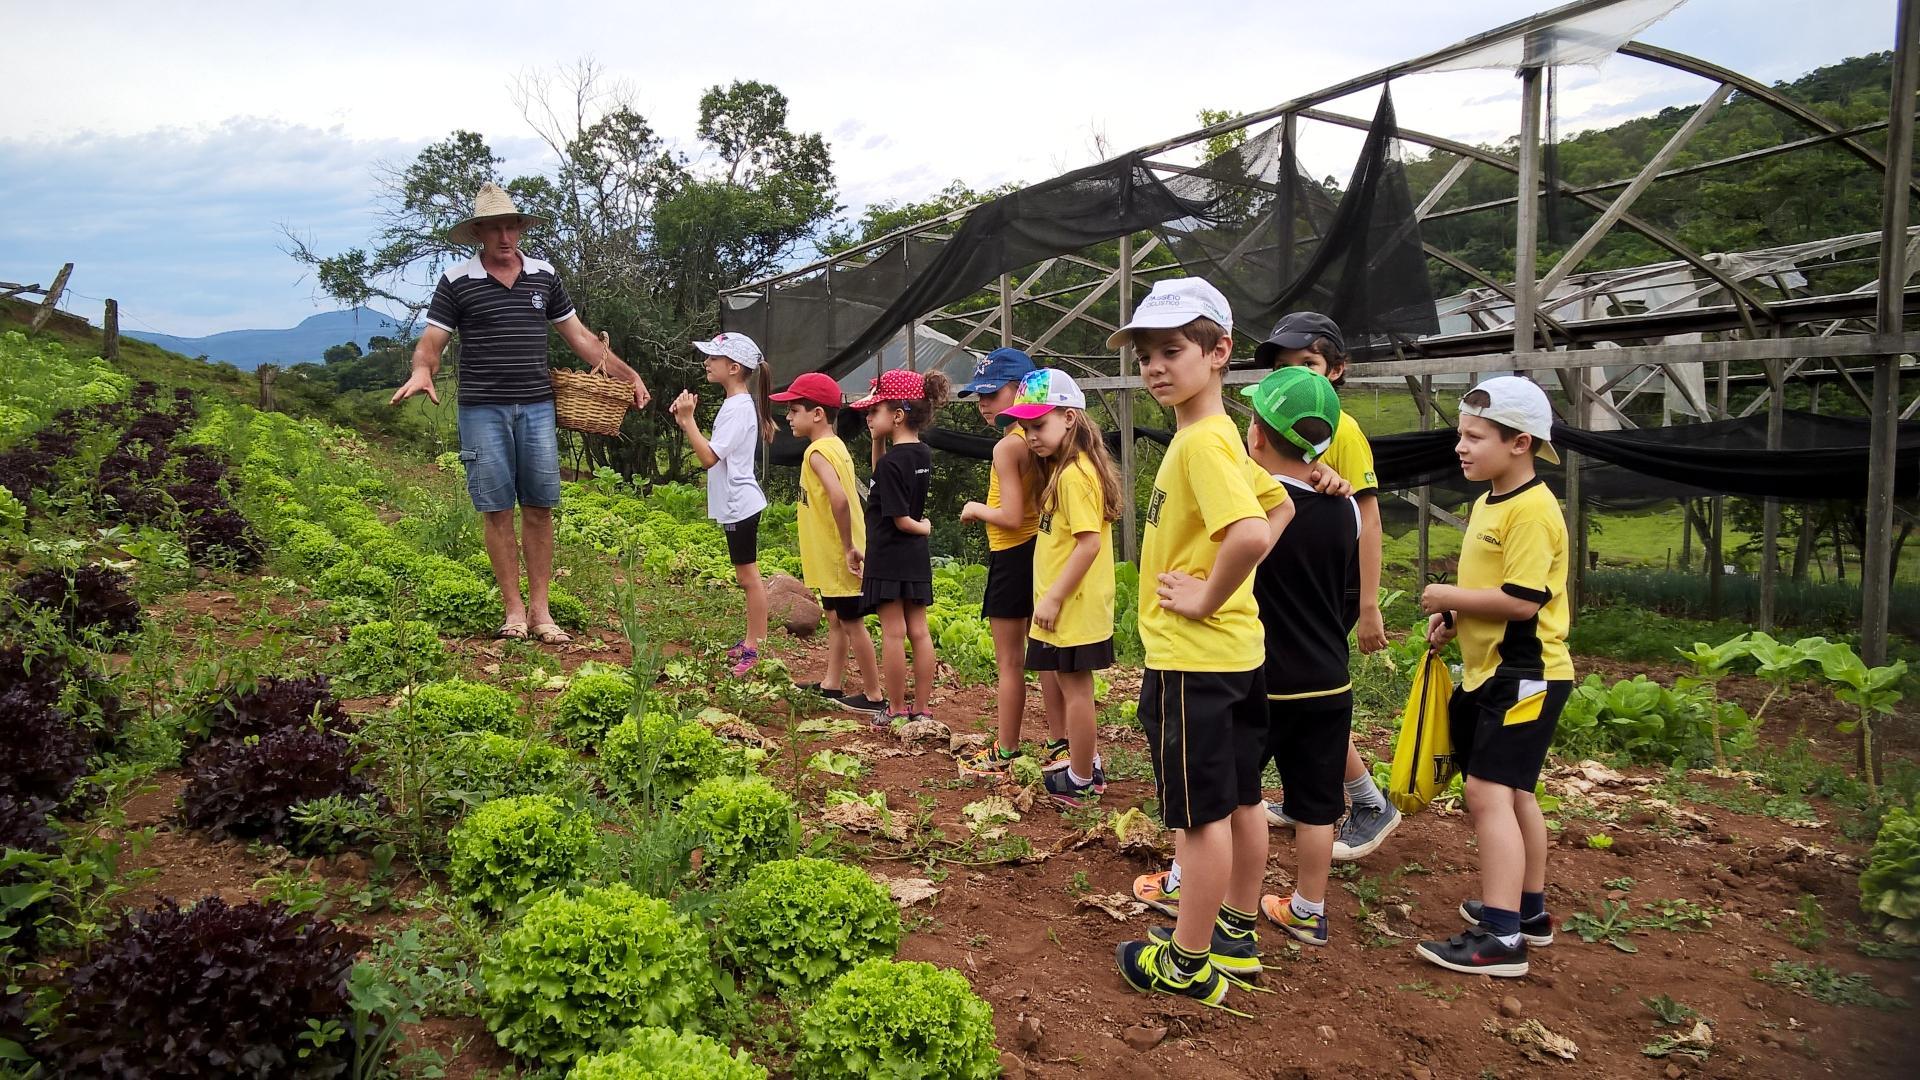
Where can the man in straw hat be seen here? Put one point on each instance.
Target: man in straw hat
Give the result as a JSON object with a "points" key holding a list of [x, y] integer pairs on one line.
{"points": [[501, 302]]}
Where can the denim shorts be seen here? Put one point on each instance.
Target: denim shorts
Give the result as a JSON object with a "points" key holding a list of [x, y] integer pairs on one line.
{"points": [[512, 455]]}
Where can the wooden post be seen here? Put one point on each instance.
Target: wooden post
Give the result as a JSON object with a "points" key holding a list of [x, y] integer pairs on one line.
{"points": [[1577, 499], [1424, 556], [913, 328], [266, 372], [1006, 311], [1803, 549], [1876, 572], [110, 332], [45, 312], [1129, 525], [1770, 527], [1526, 212]]}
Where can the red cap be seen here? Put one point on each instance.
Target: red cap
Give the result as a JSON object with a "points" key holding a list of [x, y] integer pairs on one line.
{"points": [[815, 387], [896, 385]]}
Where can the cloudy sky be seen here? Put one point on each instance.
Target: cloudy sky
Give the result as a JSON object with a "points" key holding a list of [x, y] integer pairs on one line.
{"points": [[165, 164]]}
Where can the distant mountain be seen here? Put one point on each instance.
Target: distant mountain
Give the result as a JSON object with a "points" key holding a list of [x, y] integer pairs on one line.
{"points": [[248, 349]]}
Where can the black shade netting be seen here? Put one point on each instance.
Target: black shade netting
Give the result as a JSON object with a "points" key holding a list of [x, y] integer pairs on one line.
{"points": [[1279, 241], [1357, 257]]}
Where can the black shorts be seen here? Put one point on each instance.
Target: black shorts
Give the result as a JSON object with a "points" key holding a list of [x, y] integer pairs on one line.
{"points": [[1044, 656], [1009, 583], [743, 540], [845, 608], [1307, 742], [1502, 728], [1206, 734]]}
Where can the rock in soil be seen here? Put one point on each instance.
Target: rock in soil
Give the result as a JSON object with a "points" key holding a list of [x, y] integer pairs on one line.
{"points": [[1144, 1037], [1011, 1067], [1028, 1035], [793, 605], [1510, 1008]]}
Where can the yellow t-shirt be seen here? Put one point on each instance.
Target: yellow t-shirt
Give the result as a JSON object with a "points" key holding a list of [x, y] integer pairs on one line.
{"points": [[1086, 618], [1000, 539], [1351, 456], [1206, 483], [822, 558], [1516, 543]]}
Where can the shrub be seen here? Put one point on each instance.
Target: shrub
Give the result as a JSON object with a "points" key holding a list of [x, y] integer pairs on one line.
{"points": [[42, 753], [800, 923], [680, 753], [508, 849], [739, 822], [460, 604], [577, 969], [459, 705], [272, 704], [592, 704], [659, 1054], [1649, 723], [492, 766], [211, 991], [1890, 886], [92, 598], [251, 789], [888, 1018], [378, 657]]}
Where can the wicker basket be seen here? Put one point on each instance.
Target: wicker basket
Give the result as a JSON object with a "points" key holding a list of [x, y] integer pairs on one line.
{"points": [[589, 401]]}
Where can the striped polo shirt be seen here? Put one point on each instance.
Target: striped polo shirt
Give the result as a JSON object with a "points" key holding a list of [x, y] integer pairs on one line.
{"points": [[503, 331]]}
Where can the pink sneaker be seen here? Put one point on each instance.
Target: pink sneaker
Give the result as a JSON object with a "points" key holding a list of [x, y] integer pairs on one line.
{"points": [[745, 661], [737, 649]]}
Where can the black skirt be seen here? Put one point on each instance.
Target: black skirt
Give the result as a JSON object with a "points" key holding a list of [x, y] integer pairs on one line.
{"points": [[877, 591], [1009, 592], [1044, 656]]}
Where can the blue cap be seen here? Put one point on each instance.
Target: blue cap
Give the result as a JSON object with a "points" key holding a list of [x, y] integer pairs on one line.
{"points": [[1000, 367]]}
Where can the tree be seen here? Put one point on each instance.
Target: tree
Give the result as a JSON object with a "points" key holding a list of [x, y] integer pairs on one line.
{"points": [[645, 235], [342, 353]]}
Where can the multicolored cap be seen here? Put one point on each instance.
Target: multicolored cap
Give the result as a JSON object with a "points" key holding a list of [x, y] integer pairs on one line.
{"points": [[896, 385], [1041, 392], [1290, 395]]}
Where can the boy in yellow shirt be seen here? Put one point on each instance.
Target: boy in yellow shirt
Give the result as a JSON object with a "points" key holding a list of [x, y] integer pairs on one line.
{"points": [[833, 533], [1212, 517], [1510, 612]]}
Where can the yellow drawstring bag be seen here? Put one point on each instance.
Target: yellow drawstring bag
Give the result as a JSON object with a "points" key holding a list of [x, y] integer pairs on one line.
{"points": [[1423, 757]]}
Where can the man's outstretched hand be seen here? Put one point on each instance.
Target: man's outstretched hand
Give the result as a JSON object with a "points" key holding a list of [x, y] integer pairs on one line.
{"points": [[419, 382]]}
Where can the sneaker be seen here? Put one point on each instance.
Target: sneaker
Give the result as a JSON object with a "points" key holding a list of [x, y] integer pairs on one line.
{"points": [[1311, 930], [1151, 890], [1277, 818], [1236, 958], [860, 703], [887, 719], [1538, 930], [1148, 967], [737, 649], [744, 662], [1053, 755], [835, 696], [1477, 952], [1064, 792], [1363, 832], [912, 717], [989, 761]]}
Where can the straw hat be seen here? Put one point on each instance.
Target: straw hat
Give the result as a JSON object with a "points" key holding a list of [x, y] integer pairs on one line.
{"points": [[492, 202]]}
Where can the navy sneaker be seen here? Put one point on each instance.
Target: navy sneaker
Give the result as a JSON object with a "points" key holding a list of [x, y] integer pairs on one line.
{"points": [[1065, 792], [1538, 931], [1477, 952], [1364, 831]]}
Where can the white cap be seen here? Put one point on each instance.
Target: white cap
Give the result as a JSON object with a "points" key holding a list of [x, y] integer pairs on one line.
{"points": [[1520, 404], [1176, 302], [738, 348]]}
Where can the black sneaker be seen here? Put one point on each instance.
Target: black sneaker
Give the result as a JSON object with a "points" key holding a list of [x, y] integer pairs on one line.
{"points": [[1237, 958], [835, 696], [1146, 969], [1477, 952], [859, 703], [1538, 931], [1062, 788]]}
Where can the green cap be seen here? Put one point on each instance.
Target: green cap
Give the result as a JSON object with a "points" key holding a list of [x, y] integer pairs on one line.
{"points": [[1290, 395]]}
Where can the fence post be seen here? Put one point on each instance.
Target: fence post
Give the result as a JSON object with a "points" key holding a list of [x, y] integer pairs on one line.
{"points": [[41, 316], [110, 334]]}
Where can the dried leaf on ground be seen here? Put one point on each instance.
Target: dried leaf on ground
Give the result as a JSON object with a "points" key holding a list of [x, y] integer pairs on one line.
{"points": [[924, 731], [1535, 1041], [907, 891], [1119, 905], [1137, 832], [829, 725], [856, 815]]}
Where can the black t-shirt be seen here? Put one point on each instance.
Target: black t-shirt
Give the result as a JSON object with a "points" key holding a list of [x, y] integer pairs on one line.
{"points": [[1301, 587], [503, 330], [900, 485]]}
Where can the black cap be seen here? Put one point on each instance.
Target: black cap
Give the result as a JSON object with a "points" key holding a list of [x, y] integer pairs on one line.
{"points": [[1297, 331]]}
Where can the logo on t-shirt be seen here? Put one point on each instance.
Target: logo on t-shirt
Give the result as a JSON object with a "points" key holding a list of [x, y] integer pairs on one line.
{"points": [[1489, 538], [539, 301], [1153, 506], [1046, 524]]}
